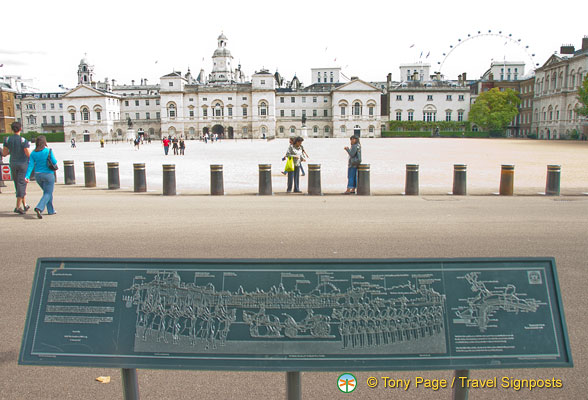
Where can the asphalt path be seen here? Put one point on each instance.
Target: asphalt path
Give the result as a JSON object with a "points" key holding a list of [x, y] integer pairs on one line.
{"points": [[102, 223]]}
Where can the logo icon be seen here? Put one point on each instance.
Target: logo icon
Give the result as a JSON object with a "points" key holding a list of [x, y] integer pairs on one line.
{"points": [[346, 383]]}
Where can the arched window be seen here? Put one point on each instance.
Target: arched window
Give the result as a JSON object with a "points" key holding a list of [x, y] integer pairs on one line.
{"points": [[573, 79], [218, 110], [292, 129], [171, 110], [263, 108], [85, 114], [315, 129], [356, 108]]}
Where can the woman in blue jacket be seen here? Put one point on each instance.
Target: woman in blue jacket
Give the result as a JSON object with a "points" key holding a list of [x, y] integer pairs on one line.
{"points": [[44, 176]]}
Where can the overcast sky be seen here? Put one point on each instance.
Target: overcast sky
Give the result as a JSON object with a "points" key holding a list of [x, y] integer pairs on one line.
{"points": [[126, 40]]}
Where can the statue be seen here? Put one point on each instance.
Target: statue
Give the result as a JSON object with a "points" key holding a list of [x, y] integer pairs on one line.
{"points": [[304, 120], [129, 122]]}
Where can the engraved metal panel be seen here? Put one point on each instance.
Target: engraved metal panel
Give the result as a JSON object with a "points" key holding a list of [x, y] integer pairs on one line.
{"points": [[296, 314]]}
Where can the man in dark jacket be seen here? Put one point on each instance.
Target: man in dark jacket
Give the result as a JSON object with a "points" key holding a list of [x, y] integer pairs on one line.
{"points": [[19, 150]]}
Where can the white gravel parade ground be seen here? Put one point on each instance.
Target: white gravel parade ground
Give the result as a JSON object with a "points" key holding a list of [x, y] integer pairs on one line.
{"points": [[387, 159]]}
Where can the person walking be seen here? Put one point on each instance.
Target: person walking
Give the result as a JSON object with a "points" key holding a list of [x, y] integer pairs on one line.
{"points": [[290, 144], [295, 151], [175, 145], [19, 150], [44, 175], [165, 145], [73, 143], [182, 146], [353, 163]]}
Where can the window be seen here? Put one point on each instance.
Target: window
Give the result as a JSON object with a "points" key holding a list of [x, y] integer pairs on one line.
{"points": [[411, 115], [230, 111], [304, 99], [447, 115], [315, 129], [449, 97], [53, 119], [314, 99], [157, 115], [244, 130], [44, 106], [342, 129], [325, 99], [147, 115], [371, 130], [172, 111], [53, 106], [137, 116], [85, 114], [460, 116], [157, 102], [205, 112], [314, 113], [61, 119], [281, 129], [304, 113], [292, 129], [171, 83], [218, 110], [371, 111], [429, 116], [281, 113], [461, 97], [429, 97], [342, 111], [263, 109], [136, 103], [44, 119], [398, 115], [293, 113], [204, 99], [244, 98], [191, 113], [327, 130], [147, 102], [18, 106], [244, 111], [398, 97], [263, 81], [410, 97], [98, 115], [326, 113], [230, 98], [292, 99], [356, 108], [126, 103], [281, 99], [61, 105]]}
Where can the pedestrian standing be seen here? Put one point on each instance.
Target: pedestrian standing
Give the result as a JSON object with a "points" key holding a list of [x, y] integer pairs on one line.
{"points": [[19, 150], [182, 146], [295, 152], [165, 145], [352, 164], [73, 143], [290, 144], [43, 174]]}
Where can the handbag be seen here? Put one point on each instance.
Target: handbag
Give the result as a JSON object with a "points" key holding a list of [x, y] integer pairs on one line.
{"points": [[50, 165], [289, 165]]}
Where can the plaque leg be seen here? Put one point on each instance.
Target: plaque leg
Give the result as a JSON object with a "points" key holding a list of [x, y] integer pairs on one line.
{"points": [[293, 388], [130, 384], [460, 392]]}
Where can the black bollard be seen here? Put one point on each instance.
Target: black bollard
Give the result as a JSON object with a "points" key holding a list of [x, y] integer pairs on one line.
{"points": [[265, 179], [507, 180], [363, 180], [553, 180], [89, 174], [169, 179], [460, 179], [216, 180], [69, 174], [139, 179], [113, 175], [411, 186], [314, 180]]}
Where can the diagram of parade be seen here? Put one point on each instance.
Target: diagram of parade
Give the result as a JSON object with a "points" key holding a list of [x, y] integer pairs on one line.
{"points": [[342, 313]]}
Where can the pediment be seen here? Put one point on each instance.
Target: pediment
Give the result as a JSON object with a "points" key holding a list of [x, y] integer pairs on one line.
{"points": [[357, 85], [551, 61], [84, 91]]}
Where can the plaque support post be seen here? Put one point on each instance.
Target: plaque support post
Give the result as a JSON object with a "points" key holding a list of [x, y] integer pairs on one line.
{"points": [[460, 392], [130, 384], [293, 387]]}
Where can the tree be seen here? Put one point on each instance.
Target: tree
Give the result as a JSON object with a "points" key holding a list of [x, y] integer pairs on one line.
{"points": [[583, 97], [494, 110]]}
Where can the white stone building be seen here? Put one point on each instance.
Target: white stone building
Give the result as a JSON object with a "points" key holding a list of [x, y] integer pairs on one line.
{"points": [[40, 112], [555, 99]]}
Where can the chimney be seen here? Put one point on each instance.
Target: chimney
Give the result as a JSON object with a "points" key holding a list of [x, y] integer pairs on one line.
{"points": [[567, 49], [585, 43], [113, 82], [459, 79], [389, 77], [354, 78], [145, 81], [464, 78], [133, 83]]}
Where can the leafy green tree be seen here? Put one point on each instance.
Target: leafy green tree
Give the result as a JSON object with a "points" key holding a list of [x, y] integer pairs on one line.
{"points": [[494, 110], [583, 97]]}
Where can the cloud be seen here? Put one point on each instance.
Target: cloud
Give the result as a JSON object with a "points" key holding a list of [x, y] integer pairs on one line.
{"points": [[21, 52], [11, 62]]}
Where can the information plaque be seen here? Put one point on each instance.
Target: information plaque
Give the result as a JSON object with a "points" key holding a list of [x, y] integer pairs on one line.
{"points": [[296, 315]]}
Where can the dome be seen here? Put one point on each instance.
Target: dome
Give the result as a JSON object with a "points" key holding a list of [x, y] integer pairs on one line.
{"points": [[222, 37], [222, 52]]}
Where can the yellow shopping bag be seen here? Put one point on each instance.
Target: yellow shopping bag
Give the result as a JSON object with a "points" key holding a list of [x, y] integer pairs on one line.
{"points": [[289, 165]]}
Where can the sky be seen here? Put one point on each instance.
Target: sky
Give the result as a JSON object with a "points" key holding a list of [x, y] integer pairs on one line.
{"points": [[132, 40]]}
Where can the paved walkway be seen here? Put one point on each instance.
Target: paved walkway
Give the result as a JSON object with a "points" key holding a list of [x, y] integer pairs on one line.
{"points": [[387, 158]]}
